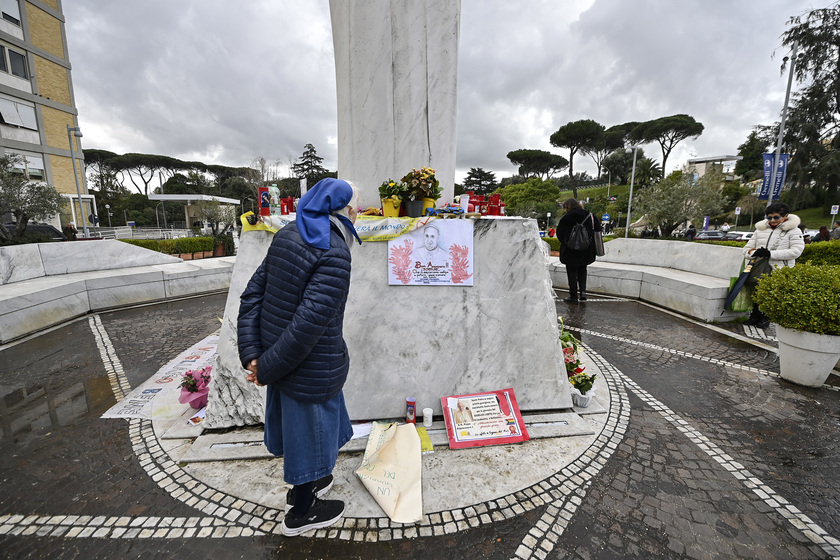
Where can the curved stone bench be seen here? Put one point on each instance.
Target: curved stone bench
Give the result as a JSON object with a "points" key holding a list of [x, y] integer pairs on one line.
{"points": [[47, 284], [690, 278]]}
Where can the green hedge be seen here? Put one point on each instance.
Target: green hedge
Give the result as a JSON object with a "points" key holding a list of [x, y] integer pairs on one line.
{"points": [[803, 297], [729, 243], [821, 253], [150, 244], [175, 246], [553, 243]]}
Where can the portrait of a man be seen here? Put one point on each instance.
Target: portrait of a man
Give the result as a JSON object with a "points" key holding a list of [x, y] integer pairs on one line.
{"points": [[433, 252]]}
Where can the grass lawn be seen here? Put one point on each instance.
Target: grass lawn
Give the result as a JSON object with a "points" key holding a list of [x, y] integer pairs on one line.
{"points": [[813, 218]]}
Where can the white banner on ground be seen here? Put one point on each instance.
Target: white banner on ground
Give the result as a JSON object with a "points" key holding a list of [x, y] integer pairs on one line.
{"points": [[159, 394]]}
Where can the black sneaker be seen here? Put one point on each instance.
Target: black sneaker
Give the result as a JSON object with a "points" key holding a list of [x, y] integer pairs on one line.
{"points": [[321, 487], [322, 513], [570, 299], [763, 324]]}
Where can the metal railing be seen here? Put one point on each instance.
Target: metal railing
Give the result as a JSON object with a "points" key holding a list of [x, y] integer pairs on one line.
{"points": [[126, 232]]}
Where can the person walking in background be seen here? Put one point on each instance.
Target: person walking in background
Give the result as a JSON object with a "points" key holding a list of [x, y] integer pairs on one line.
{"points": [[290, 337], [778, 238], [691, 232], [576, 261], [725, 227]]}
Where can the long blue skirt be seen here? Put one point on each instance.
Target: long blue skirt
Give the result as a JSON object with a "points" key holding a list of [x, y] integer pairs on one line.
{"points": [[307, 435]]}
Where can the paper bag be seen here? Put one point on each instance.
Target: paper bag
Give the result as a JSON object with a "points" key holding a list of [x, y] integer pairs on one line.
{"points": [[390, 470]]}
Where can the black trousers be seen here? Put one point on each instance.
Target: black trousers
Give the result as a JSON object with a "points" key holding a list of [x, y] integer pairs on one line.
{"points": [[577, 280]]}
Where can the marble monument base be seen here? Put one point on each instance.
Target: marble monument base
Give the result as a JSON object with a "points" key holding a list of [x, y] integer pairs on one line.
{"points": [[425, 342]]}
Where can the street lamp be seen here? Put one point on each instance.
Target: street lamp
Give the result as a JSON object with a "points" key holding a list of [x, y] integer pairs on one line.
{"points": [[609, 185], [782, 126], [156, 214], [71, 132], [108, 209], [630, 200]]}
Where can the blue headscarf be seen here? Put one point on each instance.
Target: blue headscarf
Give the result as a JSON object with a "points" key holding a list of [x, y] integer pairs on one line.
{"points": [[314, 209]]}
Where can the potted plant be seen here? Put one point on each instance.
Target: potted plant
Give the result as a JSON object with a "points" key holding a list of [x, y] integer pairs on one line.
{"points": [[581, 382], [803, 303], [391, 193], [195, 384], [422, 187]]}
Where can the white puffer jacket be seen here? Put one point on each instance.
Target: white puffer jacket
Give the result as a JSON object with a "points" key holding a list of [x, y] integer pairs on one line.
{"points": [[785, 242]]}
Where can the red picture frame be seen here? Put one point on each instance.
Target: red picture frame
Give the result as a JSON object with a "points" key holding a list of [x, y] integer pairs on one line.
{"points": [[479, 419]]}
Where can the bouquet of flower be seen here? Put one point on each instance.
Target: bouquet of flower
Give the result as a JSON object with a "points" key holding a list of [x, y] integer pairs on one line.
{"points": [[422, 184], [194, 381], [574, 367]]}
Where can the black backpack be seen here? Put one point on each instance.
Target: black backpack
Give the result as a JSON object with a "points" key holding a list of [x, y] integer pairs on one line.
{"points": [[579, 239]]}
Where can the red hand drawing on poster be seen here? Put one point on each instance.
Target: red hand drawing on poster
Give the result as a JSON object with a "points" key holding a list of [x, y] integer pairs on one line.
{"points": [[460, 263], [400, 259]]}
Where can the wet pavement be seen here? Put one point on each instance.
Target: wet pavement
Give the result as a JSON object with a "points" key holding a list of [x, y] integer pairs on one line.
{"points": [[706, 453]]}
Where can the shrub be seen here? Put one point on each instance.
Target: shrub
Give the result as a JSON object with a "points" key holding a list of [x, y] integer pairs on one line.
{"points": [[803, 298], [167, 246], [553, 243], [227, 241], [823, 252], [727, 243], [187, 245], [150, 244]]}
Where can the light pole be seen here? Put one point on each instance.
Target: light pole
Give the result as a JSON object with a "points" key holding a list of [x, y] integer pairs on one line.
{"points": [[609, 185], [156, 214], [108, 209], [630, 200], [71, 132], [782, 127]]}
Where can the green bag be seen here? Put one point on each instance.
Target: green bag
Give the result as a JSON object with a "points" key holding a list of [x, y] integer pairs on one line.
{"points": [[743, 301]]}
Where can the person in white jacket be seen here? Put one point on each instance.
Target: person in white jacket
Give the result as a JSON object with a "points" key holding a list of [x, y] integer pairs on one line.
{"points": [[779, 238]]}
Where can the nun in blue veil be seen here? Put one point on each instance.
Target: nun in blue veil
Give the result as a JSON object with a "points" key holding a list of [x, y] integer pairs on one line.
{"points": [[290, 337]]}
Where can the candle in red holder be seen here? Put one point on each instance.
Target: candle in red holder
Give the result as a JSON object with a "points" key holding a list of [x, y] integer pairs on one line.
{"points": [[410, 410]]}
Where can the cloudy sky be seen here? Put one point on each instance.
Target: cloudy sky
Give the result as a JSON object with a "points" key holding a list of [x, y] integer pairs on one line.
{"points": [[224, 82]]}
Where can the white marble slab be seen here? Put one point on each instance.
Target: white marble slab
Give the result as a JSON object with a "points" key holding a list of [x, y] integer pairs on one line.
{"points": [[232, 401], [125, 289], [709, 260], [107, 254], [43, 314], [425, 342], [196, 277], [396, 81], [20, 262]]}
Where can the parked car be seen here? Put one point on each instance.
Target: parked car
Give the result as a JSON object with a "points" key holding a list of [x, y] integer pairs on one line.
{"points": [[707, 235], [739, 235], [33, 228]]}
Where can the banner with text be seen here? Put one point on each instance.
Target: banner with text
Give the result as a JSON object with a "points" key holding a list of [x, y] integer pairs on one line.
{"points": [[159, 394], [773, 191]]}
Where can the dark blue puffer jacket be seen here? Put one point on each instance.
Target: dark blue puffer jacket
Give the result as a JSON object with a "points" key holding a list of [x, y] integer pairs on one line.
{"points": [[291, 317]]}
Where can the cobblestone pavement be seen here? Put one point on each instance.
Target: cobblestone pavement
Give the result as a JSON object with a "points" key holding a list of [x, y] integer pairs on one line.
{"points": [[707, 454]]}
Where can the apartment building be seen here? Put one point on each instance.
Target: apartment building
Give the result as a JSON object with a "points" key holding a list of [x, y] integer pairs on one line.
{"points": [[37, 103]]}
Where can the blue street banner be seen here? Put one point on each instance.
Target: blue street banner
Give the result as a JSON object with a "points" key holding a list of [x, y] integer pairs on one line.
{"points": [[781, 173]]}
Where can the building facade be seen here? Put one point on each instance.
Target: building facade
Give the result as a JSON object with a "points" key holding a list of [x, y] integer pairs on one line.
{"points": [[37, 103]]}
